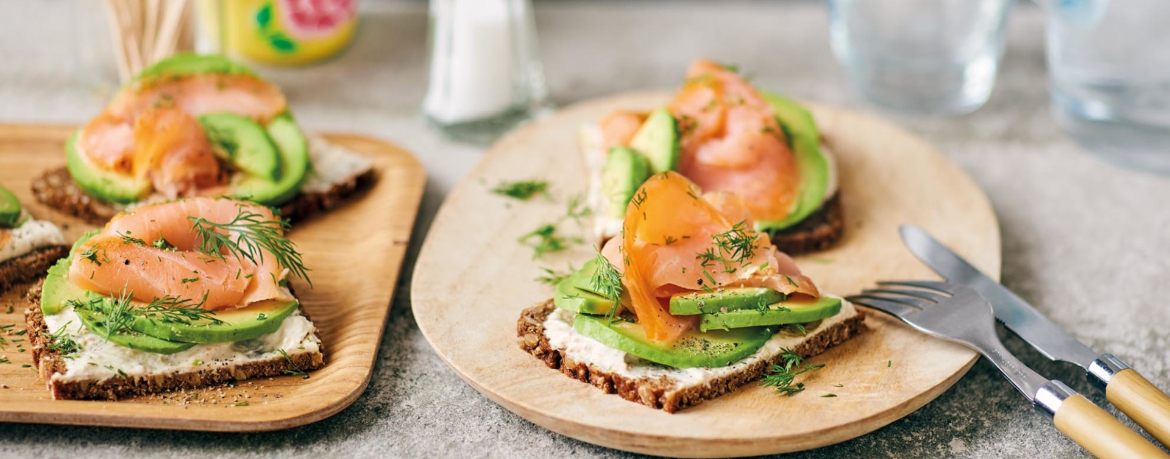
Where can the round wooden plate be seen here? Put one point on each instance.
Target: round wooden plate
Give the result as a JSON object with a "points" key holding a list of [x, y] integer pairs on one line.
{"points": [[473, 278]]}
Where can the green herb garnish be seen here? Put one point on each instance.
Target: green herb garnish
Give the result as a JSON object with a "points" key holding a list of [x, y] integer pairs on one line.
{"points": [[607, 281], [254, 234], [553, 277], [781, 376], [295, 370], [61, 342], [522, 190]]}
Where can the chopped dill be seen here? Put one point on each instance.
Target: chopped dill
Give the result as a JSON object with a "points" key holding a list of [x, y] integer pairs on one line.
{"points": [[163, 244], [254, 234], [128, 239], [639, 198], [553, 277], [295, 370], [668, 240], [791, 282], [546, 240], [61, 342], [172, 309], [781, 376], [828, 395], [522, 190]]}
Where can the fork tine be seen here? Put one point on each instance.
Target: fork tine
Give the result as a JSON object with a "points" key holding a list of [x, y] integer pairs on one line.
{"points": [[883, 304], [923, 294], [929, 285]]}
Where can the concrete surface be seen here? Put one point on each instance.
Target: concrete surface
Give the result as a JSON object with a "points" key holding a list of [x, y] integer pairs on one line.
{"points": [[1087, 242]]}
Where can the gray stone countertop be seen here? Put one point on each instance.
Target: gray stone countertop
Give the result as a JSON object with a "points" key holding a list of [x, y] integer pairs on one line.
{"points": [[1087, 242]]}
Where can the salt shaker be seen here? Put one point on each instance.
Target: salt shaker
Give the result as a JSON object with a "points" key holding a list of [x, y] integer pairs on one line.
{"points": [[485, 76]]}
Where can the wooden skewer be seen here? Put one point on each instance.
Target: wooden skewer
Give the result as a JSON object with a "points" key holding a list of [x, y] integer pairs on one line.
{"points": [[116, 33]]}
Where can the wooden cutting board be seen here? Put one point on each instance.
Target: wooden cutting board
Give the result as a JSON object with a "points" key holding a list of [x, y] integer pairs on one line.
{"points": [[355, 253], [473, 278]]}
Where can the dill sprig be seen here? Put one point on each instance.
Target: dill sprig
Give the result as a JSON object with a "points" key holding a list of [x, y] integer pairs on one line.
{"points": [[607, 281], [117, 312], [553, 277], [576, 209], [295, 370], [254, 234], [61, 342], [128, 239], [782, 376], [547, 240], [172, 309], [522, 190], [733, 248]]}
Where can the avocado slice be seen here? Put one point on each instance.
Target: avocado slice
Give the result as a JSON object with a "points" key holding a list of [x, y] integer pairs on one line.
{"points": [[294, 166], [582, 278], [234, 325], [10, 208], [581, 301], [106, 185], [95, 322], [657, 139], [787, 312], [243, 143], [805, 140], [57, 290], [193, 64], [624, 171], [717, 348], [723, 300]]}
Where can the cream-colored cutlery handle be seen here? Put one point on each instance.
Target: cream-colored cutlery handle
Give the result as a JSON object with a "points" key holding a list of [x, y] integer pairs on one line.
{"points": [[1101, 434], [1141, 401]]}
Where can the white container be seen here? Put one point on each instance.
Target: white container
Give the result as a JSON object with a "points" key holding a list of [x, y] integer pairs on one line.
{"points": [[484, 72]]}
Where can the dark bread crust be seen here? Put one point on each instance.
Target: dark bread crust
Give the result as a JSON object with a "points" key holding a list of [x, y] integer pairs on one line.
{"points": [[50, 362], [819, 231], [657, 392], [56, 188], [30, 266]]}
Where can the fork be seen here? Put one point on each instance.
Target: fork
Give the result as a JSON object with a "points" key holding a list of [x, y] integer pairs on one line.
{"points": [[957, 313]]}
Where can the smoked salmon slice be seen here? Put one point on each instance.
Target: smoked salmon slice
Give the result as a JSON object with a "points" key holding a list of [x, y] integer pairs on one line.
{"points": [[729, 138], [150, 108], [675, 240], [154, 252]]}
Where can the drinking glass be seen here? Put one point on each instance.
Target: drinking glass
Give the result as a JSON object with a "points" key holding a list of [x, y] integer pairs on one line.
{"points": [[923, 56], [1109, 77]]}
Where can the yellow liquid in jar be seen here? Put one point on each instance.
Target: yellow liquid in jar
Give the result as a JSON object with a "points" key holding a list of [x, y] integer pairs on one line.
{"points": [[279, 32]]}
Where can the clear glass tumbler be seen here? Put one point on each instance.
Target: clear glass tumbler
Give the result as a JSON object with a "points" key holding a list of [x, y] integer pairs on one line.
{"points": [[1109, 70], [922, 56]]}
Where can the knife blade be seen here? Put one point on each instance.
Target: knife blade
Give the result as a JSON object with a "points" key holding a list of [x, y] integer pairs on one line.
{"points": [[1039, 331], [1123, 386]]}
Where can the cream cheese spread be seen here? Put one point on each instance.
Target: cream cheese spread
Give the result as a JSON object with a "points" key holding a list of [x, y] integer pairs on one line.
{"points": [[100, 359], [29, 236], [580, 348], [332, 164]]}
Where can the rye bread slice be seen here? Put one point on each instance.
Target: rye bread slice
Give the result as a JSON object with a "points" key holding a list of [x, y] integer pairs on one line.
{"points": [[658, 392], [50, 362], [56, 188], [819, 231], [30, 266]]}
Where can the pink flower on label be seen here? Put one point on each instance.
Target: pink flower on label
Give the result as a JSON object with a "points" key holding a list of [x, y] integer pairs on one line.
{"points": [[315, 18]]}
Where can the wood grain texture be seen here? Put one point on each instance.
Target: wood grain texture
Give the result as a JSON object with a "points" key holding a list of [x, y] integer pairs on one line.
{"points": [[1143, 402], [1101, 434], [472, 280], [355, 253]]}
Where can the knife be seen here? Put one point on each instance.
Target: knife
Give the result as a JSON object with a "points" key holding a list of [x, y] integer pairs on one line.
{"points": [[1123, 386]]}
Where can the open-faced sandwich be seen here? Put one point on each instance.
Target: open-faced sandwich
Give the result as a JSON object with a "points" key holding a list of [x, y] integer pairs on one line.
{"points": [[199, 125], [687, 303], [27, 246], [724, 135], [173, 295]]}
